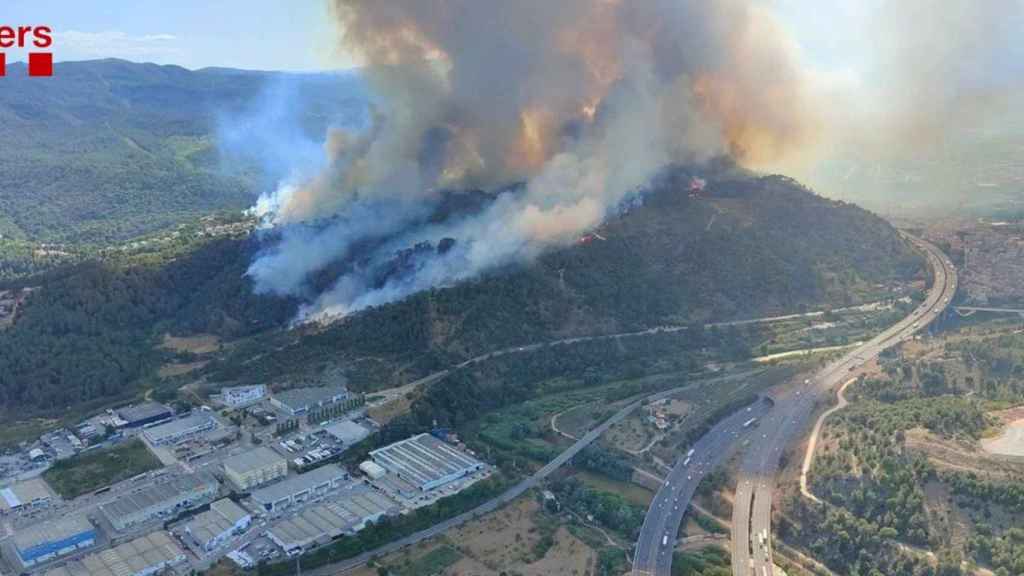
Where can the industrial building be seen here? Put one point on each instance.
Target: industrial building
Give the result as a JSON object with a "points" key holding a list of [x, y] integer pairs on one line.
{"points": [[176, 431], [213, 527], [140, 557], [143, 414], [160, 500], [53, 538], [372, 470], [347, 432], [347, 513], [255, 467], [425, 462], [32, 493], [298, 401], [236, 396], [299, 488]]}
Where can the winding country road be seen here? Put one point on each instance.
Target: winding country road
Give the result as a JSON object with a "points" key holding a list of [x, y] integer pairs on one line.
{"points": [[812, 444]]}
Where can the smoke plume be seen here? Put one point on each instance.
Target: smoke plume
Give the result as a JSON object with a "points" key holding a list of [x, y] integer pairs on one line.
{"points": [[570, 106]]}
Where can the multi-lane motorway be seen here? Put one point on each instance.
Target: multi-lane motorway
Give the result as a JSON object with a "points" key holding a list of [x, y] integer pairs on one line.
{"points": [[751, 525], [520, 488], [658, 535], [751, 530]]}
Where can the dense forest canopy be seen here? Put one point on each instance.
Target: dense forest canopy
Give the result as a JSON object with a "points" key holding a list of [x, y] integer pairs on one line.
{"points": [[753, 246], [750, 246], [108, 149]]}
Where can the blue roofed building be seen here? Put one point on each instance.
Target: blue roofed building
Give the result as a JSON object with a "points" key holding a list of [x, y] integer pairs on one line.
{"points": [[52, 539]]}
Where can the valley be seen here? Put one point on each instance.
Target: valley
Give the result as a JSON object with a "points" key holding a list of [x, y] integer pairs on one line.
{"points": [[485, 288]]}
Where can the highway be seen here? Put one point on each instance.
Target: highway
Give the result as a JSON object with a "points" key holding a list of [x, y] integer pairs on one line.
{"points": [[751, 522], [520, 488], [657, 540]]}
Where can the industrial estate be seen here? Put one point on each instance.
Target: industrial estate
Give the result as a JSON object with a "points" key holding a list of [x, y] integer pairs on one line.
{"points": [[512, 288], [217, 483]]}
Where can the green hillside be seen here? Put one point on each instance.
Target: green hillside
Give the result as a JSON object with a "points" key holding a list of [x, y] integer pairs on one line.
{"points": [[90, 333], [108, 150], [750, 247]]}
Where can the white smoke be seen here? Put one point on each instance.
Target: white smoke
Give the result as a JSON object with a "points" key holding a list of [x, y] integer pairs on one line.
{"points": [[580, 101]]}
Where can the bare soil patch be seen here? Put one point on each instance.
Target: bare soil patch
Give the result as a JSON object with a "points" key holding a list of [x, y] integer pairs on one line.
{"points": [[177, 369], [959, 456], [505, 542], [198, 344]]}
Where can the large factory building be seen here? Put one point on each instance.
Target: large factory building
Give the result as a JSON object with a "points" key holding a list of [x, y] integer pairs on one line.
{"points": [[299, 488], [52, 539], [160, 500], [143, 556], [425, 462], [254, 468]]}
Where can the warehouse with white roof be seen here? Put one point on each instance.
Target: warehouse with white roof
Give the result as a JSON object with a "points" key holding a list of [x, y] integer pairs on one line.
{"points": [[211, 528], [348, 513], [255, 467], [298, 401], [299, 488], [175, 431], [425, 462], [32, 493], [160, 500], [348, 432]]}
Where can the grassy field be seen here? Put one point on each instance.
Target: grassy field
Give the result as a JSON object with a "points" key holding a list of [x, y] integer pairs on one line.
{"points": [[87, 472], [14, 432], [430, 564], [631, 492]]}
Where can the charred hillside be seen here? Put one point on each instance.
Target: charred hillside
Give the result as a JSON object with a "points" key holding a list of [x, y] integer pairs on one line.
{"points": [[739, 247]]}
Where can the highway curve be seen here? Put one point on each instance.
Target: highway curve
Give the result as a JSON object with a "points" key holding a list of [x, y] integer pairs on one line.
{"points": [[751, 524], [516, 491], [658, 535]]}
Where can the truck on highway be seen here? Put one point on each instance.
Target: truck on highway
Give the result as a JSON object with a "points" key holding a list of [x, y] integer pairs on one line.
{"points": [[750, 423], [686, 462], [690, 453], [664, 540]]}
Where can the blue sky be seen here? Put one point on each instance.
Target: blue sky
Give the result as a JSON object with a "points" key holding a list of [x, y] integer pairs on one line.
{"points": [[291, 34], [253, 34]]}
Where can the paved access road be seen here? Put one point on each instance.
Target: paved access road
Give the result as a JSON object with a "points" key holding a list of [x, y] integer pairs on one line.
{"points": [[391, 394], [520, 488], [751, 523], [658, 535]]}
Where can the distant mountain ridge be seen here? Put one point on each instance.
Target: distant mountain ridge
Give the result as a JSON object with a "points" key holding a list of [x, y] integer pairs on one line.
{"points": [[110, 149]]}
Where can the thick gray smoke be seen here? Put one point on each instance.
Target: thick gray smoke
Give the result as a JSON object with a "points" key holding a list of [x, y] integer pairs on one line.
{"points": [[581, 100]]}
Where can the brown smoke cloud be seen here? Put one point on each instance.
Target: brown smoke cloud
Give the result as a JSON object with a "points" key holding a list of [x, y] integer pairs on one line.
{"points": [[513, 75], [583, 101]]}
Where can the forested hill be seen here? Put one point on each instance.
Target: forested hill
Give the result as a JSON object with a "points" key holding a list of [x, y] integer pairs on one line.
{"points": [[745, 247], [108, 150]]}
